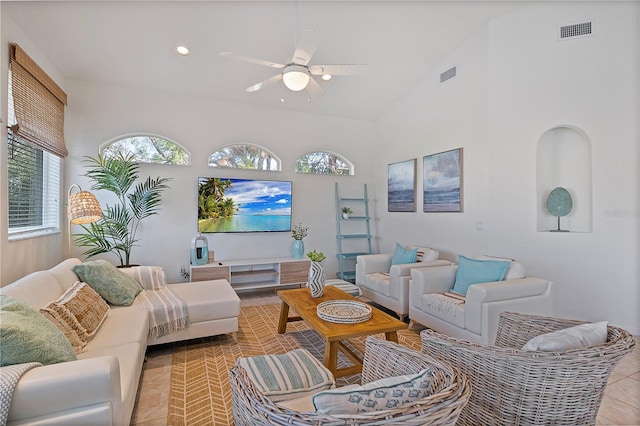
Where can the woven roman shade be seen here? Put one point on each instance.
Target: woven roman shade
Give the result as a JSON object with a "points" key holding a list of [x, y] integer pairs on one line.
{"points": [[38, 104]]}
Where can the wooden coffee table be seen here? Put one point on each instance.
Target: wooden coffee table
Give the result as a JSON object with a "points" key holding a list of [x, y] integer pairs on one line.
{"points": [[333, 334]]}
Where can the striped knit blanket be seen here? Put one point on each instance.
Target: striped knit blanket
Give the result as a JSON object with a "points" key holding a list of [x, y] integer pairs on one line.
{"points": [[9, 377], [167, 312]]}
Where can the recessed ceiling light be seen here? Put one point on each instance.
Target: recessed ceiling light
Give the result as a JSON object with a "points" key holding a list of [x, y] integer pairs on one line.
{"points": [[182, 50], [326, 77]]}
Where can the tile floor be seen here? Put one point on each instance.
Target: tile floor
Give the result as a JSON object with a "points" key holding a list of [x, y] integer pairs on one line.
{"points": [[620, 406]]}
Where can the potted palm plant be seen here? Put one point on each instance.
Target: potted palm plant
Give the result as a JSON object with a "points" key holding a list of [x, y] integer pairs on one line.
{"points": [[116, 231]]}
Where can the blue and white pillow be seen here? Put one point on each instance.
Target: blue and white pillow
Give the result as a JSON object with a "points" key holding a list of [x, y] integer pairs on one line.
{"points": [[403, 255], [474, 271], [383, 394], [287, 376]]}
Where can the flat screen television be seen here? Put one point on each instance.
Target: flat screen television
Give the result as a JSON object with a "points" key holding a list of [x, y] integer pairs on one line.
{"points": [[243, 205]]}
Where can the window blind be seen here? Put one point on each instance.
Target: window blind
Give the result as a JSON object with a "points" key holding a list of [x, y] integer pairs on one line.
{"points": [[38, 104], [34, 187]]}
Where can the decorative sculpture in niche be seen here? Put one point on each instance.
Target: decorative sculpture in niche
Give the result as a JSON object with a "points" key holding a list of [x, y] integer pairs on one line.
{"points": [[559, 203]]}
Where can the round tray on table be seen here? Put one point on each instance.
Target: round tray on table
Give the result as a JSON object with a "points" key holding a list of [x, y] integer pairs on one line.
{"points": [[344, 311]]}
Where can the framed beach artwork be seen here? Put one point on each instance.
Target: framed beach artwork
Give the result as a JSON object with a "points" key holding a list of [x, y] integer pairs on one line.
{"points": [[401, 194], [442, 182]]}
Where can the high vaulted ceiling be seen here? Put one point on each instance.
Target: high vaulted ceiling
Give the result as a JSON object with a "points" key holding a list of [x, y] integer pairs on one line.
{"points": [[132, 43]]}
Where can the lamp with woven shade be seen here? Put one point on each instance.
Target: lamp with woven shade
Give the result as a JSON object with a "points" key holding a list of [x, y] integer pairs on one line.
{"points": [[82, 207]]}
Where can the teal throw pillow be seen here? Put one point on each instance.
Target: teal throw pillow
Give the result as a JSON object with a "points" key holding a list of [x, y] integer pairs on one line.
{"points": [[474, 271], [402, 255], [113, 285], [28, 336]]}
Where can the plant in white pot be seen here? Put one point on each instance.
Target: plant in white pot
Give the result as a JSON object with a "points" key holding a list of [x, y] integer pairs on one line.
{"points": [[316, 273], [116, 231], [346, 211]]}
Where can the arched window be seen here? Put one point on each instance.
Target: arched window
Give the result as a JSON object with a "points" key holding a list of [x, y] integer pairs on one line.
{"points": [[149, 149], [245, 156], [324, 163]]}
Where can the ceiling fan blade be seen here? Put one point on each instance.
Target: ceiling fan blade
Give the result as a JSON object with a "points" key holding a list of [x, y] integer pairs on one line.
{"points": [[339, 69], [263, 83], [252, 60], [306, 47], [314, 88]]}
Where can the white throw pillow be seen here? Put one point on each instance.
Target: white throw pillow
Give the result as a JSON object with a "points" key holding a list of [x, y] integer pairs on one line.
{"points": [[383, 394], [578, 337], [426, 254]]}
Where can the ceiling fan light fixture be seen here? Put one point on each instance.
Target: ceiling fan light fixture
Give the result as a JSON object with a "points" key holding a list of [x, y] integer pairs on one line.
{"points": [[182, 50], [326, 77], [295, 77]]}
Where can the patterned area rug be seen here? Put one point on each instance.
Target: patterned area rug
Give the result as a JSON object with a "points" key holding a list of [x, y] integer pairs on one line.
{"points": [[200, 394]]}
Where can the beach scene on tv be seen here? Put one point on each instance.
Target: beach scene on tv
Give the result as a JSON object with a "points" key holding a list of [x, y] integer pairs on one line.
{"points": [[243, 205]]}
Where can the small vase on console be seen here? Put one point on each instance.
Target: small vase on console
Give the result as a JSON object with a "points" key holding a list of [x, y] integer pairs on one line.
{"points": [[298, 249]]}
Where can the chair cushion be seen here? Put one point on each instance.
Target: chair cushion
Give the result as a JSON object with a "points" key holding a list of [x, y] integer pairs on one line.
{"points": [[449, 309], [474, 271], [578, 337], [383, 394], [378, 282], [287, 376], [27, 336], [113, 285], [403, 255]]}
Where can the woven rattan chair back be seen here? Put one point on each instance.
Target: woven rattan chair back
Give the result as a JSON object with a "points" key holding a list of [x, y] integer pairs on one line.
{"points": [[515, 387], [450, 392]]}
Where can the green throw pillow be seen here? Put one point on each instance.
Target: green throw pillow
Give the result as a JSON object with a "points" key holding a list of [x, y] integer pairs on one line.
{"points": [[113, 285], [28, 336]]}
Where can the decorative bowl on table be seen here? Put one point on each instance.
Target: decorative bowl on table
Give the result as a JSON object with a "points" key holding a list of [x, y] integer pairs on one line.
{"points": [[344, 311]]}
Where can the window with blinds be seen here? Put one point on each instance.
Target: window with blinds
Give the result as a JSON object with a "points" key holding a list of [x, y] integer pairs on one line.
{"points": [[33, 188], [35, 145]]}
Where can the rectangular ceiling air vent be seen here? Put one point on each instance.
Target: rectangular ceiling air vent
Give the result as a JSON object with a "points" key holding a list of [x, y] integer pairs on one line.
{"points": [[575, 30], [447, 75]]}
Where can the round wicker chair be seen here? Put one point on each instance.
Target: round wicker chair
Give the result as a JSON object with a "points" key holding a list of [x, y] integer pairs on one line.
{"points": [[450, 392], [515, 387]]}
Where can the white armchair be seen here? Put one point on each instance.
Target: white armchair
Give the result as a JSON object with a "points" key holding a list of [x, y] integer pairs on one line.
{"points": [[475, 316], [387, 284]]}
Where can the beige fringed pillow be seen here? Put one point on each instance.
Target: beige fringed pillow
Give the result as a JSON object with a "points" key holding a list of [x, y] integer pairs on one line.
{"points": [[69, 326], [85, 305]]}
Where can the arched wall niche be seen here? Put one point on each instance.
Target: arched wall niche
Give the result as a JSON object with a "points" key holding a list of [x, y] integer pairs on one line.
{"points": [[564, 160]]}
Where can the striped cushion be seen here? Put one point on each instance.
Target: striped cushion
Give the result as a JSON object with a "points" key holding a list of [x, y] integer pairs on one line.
{"points": [[345, 286], [286, 376]]}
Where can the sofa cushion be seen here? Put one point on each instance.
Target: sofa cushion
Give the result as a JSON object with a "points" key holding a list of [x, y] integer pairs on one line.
{"points": [[287, 376], [474, 271], [134, 319], [85, 305], [383, 394], [68, 325], [113, 285], [208, 300], [578, 337], [27, 336], [403, 255]]}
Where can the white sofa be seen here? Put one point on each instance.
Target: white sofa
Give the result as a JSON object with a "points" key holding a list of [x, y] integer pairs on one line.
{"points": [[99, 388], [476, 319], [387, 284]]}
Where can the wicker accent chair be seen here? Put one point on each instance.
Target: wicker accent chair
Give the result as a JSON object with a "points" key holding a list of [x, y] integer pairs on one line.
{"points": [[515, 387], [450, 392]]}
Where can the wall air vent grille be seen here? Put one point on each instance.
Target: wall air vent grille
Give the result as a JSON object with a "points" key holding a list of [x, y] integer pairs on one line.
{"points": [[576, 30], [447, 75]]}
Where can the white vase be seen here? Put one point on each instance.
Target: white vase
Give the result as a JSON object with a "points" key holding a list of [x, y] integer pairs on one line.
{"points": [[316, 279]]}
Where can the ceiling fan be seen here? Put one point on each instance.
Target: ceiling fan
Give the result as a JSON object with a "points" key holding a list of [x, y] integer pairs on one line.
{"points": [[298, 74]]}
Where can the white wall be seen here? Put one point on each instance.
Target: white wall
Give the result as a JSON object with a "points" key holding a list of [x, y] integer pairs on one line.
{"points": [[516, 81], [22, 256], [98, 113]]}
